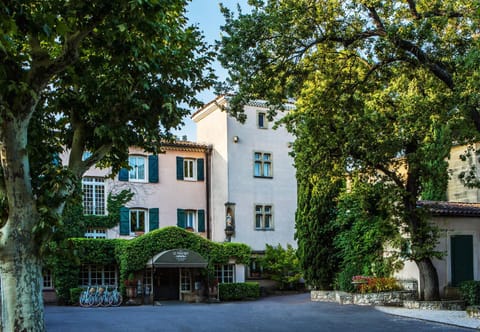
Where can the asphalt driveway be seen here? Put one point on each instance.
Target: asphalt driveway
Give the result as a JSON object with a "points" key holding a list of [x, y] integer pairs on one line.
{"points": [[278, 313]]}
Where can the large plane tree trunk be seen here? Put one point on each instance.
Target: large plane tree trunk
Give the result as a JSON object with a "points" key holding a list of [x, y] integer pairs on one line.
{"points": [[428, 278], [20, 265], [20, 272]]}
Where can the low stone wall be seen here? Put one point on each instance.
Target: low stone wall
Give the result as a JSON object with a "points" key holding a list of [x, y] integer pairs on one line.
{"points": [[473, 311], [435, 305], [395, 298], [323, 296]]}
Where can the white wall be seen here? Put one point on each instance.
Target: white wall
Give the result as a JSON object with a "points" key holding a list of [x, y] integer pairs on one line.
{"points": [[212, 130], [247, 191], [233, 180], [449, 226]]}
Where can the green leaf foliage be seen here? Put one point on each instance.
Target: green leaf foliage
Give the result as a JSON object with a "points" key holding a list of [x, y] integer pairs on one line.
{"points": [[470, 292], [239, 291], [132, 255], [315, 232], [366, 230], [379, 90], [96, 76], [173, 237], [282, 265]]}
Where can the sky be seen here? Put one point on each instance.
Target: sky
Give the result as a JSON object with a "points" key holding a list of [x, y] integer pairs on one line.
{"points": [[205, 14]]}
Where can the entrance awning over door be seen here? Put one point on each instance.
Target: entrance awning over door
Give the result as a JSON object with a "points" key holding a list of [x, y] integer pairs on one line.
{"points": [[178, 258]]}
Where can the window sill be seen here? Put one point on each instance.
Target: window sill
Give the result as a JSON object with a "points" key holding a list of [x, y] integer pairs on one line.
{"points": [[263, 177], [265, 229], [138, 181]]}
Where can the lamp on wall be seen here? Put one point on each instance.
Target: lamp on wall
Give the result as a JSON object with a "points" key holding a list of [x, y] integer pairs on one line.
{"points": [[235, 139]]}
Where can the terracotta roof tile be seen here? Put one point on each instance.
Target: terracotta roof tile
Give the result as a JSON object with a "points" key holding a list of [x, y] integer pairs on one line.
{"points": [[458, 209]]}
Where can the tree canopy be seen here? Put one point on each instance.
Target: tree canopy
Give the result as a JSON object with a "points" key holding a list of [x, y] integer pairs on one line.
{"points": [[95, 77], [382, 89]]}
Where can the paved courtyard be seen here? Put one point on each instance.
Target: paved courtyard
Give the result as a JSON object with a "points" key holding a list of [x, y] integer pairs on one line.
{"points": [[279, 313]]}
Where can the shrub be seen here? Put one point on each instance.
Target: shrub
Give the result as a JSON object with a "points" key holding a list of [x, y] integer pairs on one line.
{"points": [[132, 255], [470, 292], [282, 265], [239, 291], [75, 294], [344, 279], [376, 285]]}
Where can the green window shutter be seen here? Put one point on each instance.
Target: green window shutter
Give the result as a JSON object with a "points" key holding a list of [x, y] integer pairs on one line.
{"points": [[153, 168], [153, 219], [201, 220], [123, 174], [181, 218], [200, 169], [179, 168], [124, 221]]}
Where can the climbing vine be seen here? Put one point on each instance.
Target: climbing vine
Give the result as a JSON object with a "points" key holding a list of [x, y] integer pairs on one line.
{"points": [[132, 255]]}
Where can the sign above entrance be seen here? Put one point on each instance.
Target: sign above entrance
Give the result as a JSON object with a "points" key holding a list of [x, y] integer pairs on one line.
{"points": [[178, 258]]}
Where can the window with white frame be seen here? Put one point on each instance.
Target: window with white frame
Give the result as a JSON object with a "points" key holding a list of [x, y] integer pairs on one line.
{"points": [[98, 275], [138, 220], [263, 217], [47, 279], [147, 281], [189, 169], [190, 219], [96, 233], [262, 120], [225, 273], [138, 169], [262, 165], [93, 195], [185, 280]]}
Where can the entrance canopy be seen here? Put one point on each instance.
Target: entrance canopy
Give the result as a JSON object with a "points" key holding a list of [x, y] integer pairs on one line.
{"points": [[178, 258]]}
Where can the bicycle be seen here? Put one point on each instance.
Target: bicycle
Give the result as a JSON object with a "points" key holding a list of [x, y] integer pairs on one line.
{"points": [[87, 297], [115, 297], [100, 296], [83, 300]]}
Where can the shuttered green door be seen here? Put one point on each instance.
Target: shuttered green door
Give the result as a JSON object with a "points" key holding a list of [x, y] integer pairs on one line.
{"points": [[462, 258]]}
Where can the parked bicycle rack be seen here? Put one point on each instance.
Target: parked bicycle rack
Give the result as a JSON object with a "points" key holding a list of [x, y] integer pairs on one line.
{"points": [[96, 296]]}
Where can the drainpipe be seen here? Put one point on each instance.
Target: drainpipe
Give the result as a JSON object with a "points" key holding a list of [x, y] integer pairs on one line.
{"points": [[208, 155]]}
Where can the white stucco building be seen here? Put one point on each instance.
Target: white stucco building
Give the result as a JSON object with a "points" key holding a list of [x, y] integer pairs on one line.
{"points": [[252, 178]]}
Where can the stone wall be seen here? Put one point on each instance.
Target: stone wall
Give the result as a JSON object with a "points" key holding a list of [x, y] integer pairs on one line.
{"points": [[395, 298], [435, 305]]}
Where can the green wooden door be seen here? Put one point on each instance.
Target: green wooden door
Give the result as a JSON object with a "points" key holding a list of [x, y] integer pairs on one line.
{"points": [[462, 258]]}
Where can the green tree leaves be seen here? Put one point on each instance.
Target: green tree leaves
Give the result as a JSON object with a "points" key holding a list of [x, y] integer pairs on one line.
{"points": [[379, 94]]}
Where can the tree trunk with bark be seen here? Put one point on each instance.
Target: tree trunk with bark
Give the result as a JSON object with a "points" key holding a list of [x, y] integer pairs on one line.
{"points": [[428, 279], [21, 275], [20, 264], [421, 235]]}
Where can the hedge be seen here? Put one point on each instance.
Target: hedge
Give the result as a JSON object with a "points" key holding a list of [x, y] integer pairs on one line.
{"points": [[239, 291], [132, 255]]}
